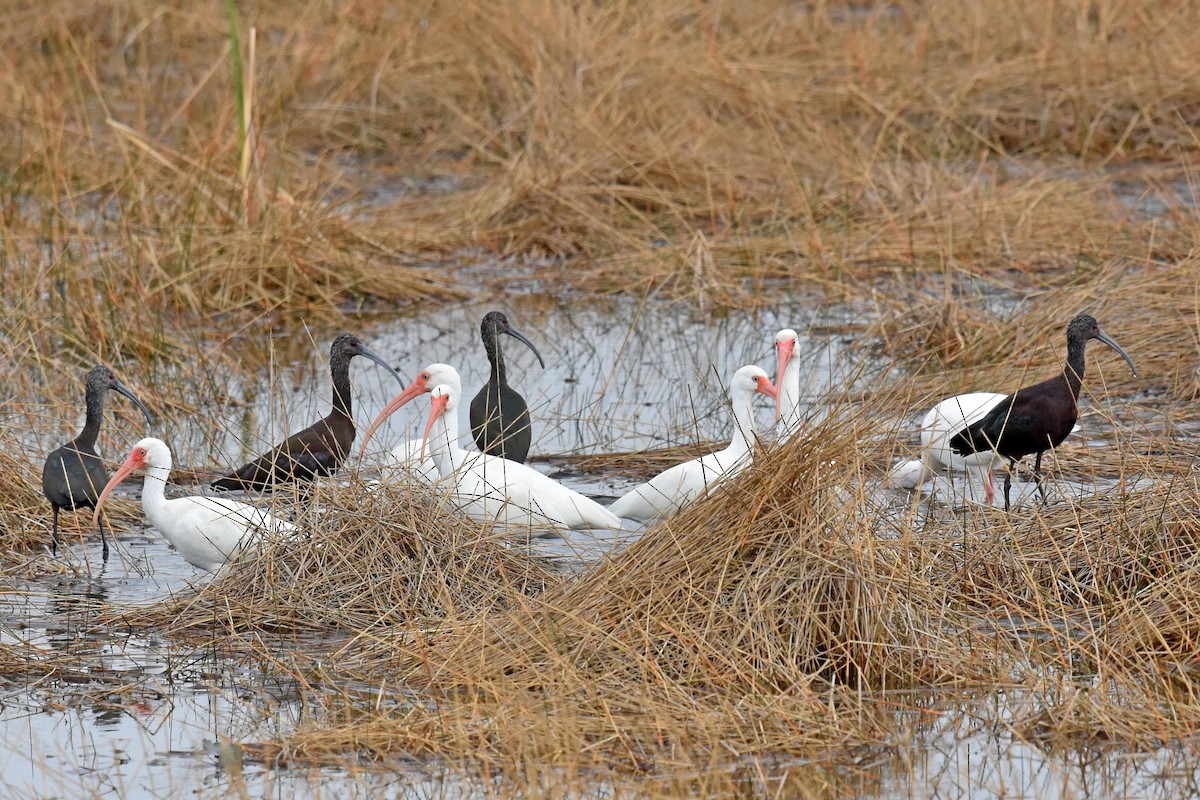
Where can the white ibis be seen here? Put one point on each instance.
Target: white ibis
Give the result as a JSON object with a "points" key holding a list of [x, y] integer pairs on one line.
{"points": [[207, 531], [944, 421], [1037, 418], [74, 474], [320, 449], [492, 489], [787, 381], [669, 491], [499, 414], [409, 457]]}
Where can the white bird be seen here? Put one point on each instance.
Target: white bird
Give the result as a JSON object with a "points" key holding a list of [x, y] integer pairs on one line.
{"points": [[488, 488], [207, 531], [409, 458], [667, 492], [941, 424], [787, 382]]}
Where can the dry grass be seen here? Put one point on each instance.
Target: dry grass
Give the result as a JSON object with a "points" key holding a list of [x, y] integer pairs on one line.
{"points": [[968, 175]]}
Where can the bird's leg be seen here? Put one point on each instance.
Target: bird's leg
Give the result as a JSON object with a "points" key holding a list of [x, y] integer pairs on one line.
{"points": [[103, 541], [54, 532], [1008, 481], [989, 487], [1037, 476]]}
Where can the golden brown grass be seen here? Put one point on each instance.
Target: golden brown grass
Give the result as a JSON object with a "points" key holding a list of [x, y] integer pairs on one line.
{"points": [[968, 175]]}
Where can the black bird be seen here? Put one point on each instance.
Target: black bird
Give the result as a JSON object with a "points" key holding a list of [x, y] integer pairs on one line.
{"points": [[499, 415], [73, 475], [1037, 418], [321, 448]]}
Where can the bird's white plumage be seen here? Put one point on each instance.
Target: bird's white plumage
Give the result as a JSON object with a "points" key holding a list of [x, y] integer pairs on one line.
{"points": [[492, 489], [667, 492], [208, 532]]}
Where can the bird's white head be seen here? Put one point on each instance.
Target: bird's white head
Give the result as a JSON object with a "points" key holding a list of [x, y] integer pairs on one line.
{"points": [[148, 453], [751, 379], [785, 348], [429, 378]]}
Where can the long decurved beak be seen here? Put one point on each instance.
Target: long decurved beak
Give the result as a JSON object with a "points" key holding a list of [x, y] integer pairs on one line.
{"points": [[437, 408], [767, 388], [378, 359], [414, 389], [122, 473], [786, 351], [125, 390], [1108, 340], [520, 337]]}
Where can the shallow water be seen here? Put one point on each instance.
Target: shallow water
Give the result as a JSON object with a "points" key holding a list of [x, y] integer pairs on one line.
{"points": [[151, 720]]}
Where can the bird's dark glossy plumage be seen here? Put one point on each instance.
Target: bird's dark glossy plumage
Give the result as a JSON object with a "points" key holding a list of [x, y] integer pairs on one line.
{"points": [[1037, 418], [499, 414], [73, 475], [321, 448]]}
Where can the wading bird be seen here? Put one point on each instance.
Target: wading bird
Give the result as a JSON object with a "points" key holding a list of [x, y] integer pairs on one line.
{"points": [[207, 531], [320, 449], [488, 488], [499, 414], [1037, 418], [409, 456], [74, 474], [669, 491]]}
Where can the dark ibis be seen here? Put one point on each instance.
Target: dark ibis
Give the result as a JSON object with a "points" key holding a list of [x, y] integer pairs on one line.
{"points": [[499, 414], [320, 449], [74, 474], [1037, 418], [207, 531], [671, 490]]}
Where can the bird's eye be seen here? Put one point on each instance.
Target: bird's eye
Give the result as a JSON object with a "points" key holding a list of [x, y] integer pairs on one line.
{"points": [[141, 451], [426, 376]]}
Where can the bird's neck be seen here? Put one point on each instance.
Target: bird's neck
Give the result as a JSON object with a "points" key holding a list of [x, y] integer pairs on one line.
{"points": [[340, 373], [1073, 372], [443, 444], [789, 399], [94, 405], [496, 358], [154, 487], [743, 424]]}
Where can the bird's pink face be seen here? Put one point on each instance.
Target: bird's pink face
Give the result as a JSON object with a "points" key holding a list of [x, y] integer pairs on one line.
{"points": [[763, 385], [136, 460]]}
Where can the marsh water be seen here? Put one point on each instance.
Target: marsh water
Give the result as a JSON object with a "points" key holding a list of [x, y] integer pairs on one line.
{"points": [[151, 720]]}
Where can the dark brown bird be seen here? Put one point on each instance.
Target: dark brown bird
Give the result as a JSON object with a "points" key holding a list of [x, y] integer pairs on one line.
{"points": [[499, 414], [1037, 418], [320, 449], [73, 475]]}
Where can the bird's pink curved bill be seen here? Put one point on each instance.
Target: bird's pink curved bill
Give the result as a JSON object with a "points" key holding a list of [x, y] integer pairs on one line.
{"points": [[414, 389], [123, 472]]}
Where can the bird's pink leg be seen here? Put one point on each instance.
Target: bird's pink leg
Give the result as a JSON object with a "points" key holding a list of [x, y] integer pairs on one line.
{"points": [[989, 486]]}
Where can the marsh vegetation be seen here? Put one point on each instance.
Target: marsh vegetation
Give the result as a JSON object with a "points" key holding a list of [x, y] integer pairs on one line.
{"points": [[201, 196]]}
